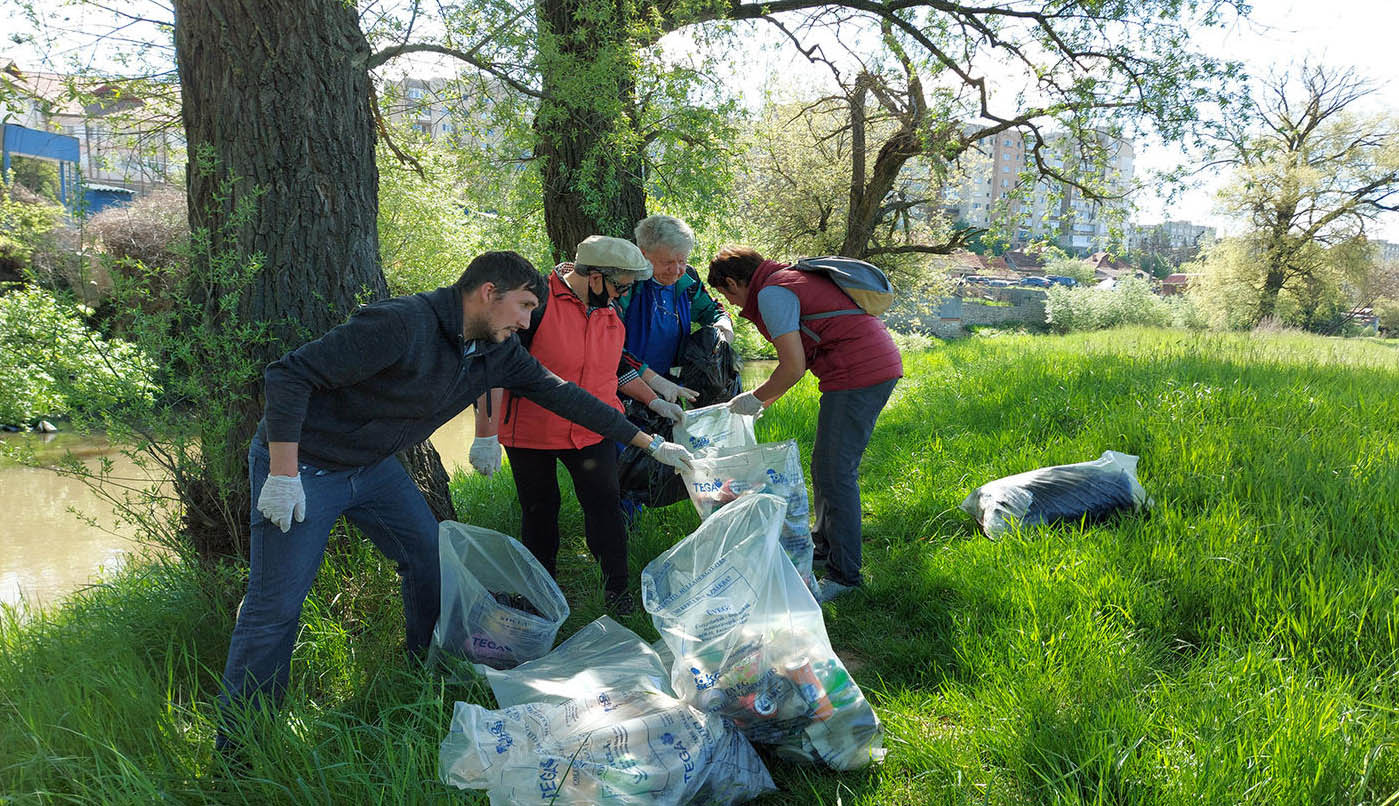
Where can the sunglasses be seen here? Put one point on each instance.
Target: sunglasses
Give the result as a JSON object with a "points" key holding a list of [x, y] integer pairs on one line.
{"points": [[617, 288]]}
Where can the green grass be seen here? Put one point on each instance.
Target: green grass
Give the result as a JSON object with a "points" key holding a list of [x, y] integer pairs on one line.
{"points": [[1236, 645]]}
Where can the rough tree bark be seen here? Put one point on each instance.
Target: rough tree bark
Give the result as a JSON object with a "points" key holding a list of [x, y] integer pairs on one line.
{"points": [[592, 186], [277, 92]]}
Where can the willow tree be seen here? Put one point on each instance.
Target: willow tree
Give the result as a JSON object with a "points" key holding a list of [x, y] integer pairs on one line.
{"points": [[1311, 170]]}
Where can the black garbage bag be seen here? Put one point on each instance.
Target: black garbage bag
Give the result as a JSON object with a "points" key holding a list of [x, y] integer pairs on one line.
{"points": [[642, 479], [1086, 491], [710, 366]]}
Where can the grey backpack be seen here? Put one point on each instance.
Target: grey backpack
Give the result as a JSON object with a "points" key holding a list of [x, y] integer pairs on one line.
{"points": [[863, 282]]}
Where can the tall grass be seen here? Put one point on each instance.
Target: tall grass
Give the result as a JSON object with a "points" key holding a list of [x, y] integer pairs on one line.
{"points": [[1236, 645]]}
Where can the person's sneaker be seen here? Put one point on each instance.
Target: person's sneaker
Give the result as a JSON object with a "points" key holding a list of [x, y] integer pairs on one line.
{"points": [[828, 589], [619, 604]]}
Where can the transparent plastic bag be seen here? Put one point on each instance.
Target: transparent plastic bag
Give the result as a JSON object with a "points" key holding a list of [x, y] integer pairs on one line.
{"points": [[1089, 491], [478, 563], [750, 643], [721, 475], [602, 656], [595, 721], [715, 427]]}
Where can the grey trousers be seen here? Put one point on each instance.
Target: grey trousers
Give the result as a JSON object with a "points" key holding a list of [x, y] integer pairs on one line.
{"points": [[843, 429]]}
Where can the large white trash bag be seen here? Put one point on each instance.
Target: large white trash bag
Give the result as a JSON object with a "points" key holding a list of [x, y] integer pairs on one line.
{"points": [[722, 475], [1086, 490], [603, 656], [750, 643], [619, 736], [713, 427], [477, 564]]}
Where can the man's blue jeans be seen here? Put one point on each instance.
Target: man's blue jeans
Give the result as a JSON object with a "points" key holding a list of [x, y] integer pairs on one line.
{"points": [[843, 428], [387, 506]]}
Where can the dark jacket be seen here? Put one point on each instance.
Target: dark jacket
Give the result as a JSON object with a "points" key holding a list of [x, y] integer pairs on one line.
{"points": [[391, 375]]}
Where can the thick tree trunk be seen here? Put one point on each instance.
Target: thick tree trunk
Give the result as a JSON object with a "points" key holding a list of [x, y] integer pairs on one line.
{"points": [[586, 136], [276, 108]]}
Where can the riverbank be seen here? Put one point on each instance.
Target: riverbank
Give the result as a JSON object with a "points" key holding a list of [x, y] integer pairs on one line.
{"points": [[1237, 644]]}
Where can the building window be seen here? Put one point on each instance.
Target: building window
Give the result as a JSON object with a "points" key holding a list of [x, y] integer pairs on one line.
{"points": [[1009, 142], [1005, 183]]}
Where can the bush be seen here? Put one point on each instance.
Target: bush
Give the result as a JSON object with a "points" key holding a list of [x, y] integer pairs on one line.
{"points": [[153, 229], [1388, 312], [29, 227], [749, 342], [1130, 302], [52, 364]]}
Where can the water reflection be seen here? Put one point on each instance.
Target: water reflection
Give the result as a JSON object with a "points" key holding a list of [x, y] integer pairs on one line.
{"points": [[46, 551]]}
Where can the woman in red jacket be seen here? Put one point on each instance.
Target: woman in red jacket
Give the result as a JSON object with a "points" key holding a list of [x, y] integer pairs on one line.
{"points": [[814, 325], [578, 335]]}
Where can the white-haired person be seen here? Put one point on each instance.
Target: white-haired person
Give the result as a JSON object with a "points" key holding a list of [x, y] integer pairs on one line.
{"points": [[660, 312], [577, 334]]}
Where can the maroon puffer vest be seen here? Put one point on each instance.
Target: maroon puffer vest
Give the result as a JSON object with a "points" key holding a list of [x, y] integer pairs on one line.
{"points": [[844, 352]]}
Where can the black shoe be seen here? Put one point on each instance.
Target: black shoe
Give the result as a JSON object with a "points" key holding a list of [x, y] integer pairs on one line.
{"points": [[619, 604]]}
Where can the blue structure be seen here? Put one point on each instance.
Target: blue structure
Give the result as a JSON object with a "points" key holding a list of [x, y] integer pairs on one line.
{"points": [[60, 148], [97, 198]]}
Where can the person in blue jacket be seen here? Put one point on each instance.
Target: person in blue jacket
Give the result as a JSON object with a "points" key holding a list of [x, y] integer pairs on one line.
{"points": [[660, 312]]}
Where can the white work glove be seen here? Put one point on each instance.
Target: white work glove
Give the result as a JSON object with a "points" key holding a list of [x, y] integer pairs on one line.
{"points": [[671, 391], [282, 499], [667, 409], [668, 453], [485, 455], [726, 331], [746, 403]]}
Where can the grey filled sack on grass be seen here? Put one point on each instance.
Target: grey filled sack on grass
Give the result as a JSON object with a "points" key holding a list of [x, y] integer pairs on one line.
{"points": [[715, 427], [596, 722], [749, 641], [478, 563], [1087, 491], [719, 476]]}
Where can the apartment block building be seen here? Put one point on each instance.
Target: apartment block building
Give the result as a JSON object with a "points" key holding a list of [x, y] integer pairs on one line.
{"points": [[1170, 235], [996, 185]]}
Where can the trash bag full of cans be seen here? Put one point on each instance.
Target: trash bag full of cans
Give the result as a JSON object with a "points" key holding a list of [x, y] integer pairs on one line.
{"points": [[596, 722], [721, 475], [1088, 491], [749, 642]]}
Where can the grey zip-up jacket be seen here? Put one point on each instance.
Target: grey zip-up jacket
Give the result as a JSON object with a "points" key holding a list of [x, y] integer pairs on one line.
{"points": [[397, 370]]}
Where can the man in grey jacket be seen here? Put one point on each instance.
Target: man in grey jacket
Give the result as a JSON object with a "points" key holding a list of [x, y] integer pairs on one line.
{"points": [[338, 409]]}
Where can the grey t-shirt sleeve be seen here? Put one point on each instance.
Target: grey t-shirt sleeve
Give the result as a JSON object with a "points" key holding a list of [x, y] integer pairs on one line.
{"points": [[780, 310]]}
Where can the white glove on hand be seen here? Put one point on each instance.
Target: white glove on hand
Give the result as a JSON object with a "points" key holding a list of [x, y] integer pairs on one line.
{"points": [[666, 409], [668, 453], [282, 499], [726, 331], [746, 403], [671, 391], [485, 455]]}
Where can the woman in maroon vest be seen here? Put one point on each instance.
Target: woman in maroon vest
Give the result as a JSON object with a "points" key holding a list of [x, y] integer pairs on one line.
{"points": [[857, 364], [577, 334]]}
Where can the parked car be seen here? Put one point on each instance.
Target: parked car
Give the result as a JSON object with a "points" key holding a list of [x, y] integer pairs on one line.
{"points": [[996, 282], [1059, 279], [1036, 282]]}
